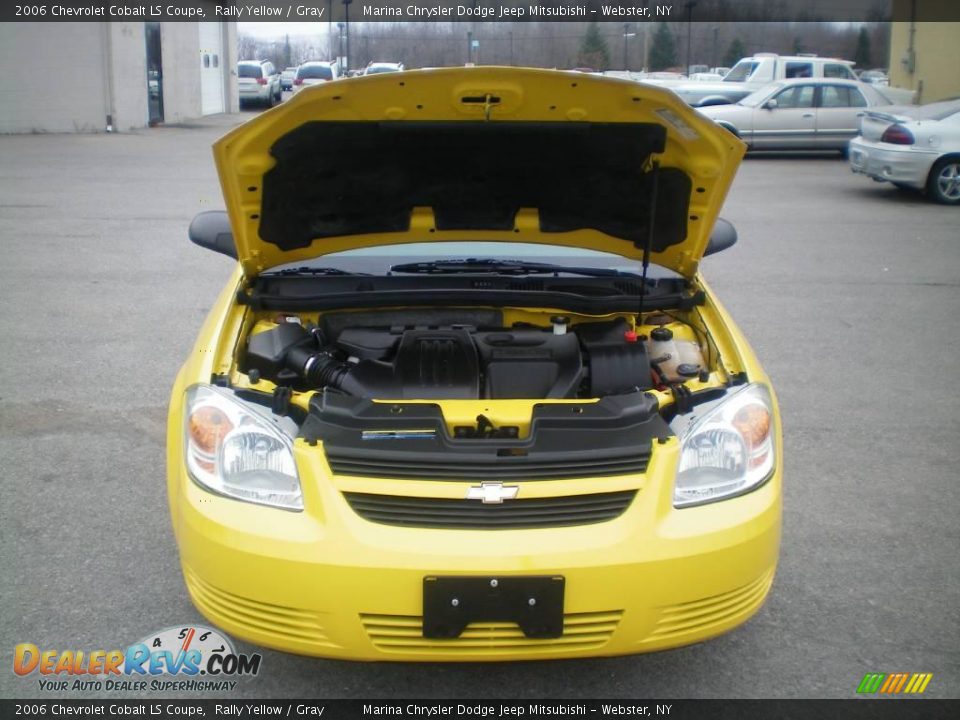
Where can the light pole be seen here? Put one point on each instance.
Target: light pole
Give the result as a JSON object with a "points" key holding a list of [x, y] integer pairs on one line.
{"points": [[690, 5], [626, 36], [340, 62], [346, 10], [716, 57], [329, 27], [469, 47]]}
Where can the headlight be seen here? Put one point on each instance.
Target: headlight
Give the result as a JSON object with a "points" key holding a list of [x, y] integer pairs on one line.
{"points": [[729, 450], [233, 450]]}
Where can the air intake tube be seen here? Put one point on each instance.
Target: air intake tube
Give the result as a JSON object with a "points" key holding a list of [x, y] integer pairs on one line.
{"points": [[292, 355]]}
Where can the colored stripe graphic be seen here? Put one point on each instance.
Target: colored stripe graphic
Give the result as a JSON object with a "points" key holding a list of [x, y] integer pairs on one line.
{"points": [[871, 682], [894, 683], [918, 683]]}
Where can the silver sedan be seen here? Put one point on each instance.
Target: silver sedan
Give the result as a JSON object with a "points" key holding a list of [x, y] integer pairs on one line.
{"points": [[802, 114], [912, 147]]}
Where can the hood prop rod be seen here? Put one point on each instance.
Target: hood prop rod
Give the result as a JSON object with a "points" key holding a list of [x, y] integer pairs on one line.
{"points": [[648, 242]]}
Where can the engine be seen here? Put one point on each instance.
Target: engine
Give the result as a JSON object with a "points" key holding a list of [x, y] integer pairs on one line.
{"points": [[452, 361]]}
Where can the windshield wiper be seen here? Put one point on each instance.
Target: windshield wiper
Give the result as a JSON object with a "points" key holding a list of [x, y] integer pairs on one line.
{"points": [[305, 270], [503, 267]]}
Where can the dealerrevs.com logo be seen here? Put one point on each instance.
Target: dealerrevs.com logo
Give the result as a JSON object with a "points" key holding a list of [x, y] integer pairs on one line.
{"points": [[894, 683], [188, 658]]}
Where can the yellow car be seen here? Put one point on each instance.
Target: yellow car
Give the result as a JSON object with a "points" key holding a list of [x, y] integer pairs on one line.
{"points": [[466, 395]]}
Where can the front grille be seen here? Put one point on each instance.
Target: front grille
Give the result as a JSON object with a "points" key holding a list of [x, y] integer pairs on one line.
{"points": [[474, 515], [500, 468], [404, 634]]}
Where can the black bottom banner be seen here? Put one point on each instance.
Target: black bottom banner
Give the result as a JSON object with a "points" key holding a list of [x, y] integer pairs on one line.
{"points": [[854, 709]]}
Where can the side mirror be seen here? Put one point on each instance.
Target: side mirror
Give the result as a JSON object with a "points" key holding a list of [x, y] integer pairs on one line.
{"points": [[770, 104], [211, 230], [724, 235]]}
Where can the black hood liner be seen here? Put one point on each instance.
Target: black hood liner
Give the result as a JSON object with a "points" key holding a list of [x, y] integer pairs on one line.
{"points": [[350, 178]]}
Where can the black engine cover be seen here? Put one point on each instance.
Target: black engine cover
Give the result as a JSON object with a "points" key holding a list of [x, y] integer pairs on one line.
{"points": [[438, 364], [530, 364]]}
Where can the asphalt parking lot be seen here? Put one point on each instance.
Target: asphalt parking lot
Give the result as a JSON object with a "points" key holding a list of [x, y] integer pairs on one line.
{"points": [[849, 291]]}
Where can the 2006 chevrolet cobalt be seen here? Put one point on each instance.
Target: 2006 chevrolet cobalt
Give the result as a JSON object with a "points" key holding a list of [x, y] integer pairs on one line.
{"points": [[466, 395]]}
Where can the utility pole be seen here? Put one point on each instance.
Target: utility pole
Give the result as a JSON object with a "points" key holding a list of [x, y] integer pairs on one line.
{"points": [[329, 28], [626, 26], [469, 47], [646, 46], [716, 56], [626, 37], [511, 47], [690, 5], [346, 10]]}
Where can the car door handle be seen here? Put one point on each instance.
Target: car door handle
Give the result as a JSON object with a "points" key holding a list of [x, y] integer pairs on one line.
{"points": [[807, 115], [860, 114]]}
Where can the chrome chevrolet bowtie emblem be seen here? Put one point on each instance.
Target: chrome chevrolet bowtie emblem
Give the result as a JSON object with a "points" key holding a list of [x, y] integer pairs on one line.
{"points": [[492, 493]]}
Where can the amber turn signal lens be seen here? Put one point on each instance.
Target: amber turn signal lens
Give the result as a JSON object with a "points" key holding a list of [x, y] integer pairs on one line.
{"points": [[753, 423], [208, 426]]}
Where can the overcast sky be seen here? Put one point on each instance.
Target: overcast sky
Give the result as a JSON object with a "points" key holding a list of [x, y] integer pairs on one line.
{"points": [[272, 30]]}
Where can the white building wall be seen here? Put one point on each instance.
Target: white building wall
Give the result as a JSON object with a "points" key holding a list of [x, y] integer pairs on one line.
{"points": [[180, 43], [53, 77], [127, 72], [69, 77]]}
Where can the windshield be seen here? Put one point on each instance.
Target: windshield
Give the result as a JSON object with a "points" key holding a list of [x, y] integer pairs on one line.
{"points": [[741, 71], [757, 97], [374, 69], [378, 260]]}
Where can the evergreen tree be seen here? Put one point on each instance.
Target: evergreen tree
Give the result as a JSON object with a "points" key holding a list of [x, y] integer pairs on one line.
{"points": [[862, 55], [594, 52], [735, 53], [663, 51]]}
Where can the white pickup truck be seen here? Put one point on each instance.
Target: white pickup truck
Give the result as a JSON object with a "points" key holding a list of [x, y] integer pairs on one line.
{"points": [[754, 72]]}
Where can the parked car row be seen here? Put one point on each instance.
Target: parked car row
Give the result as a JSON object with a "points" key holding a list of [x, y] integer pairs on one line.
{"points": [[261, 83], [757, 71], [913, 147]]}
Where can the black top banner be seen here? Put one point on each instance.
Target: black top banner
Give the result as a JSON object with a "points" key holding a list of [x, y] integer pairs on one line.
{"points": [[485, 11]]}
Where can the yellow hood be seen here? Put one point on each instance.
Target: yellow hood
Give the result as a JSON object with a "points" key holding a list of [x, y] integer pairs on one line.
{"points": [[493, 154]]}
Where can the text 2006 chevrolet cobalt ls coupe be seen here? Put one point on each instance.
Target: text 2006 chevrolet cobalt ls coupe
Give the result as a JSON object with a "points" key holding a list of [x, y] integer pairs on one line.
{"points": [[466, 395]]}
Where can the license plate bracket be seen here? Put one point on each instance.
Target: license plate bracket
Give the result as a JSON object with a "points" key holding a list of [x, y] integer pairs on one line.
{"points": [[533, 602]]}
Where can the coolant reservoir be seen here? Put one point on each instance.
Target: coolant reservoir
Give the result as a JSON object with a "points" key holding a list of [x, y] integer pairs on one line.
{"points": [[662, 350], [679, 359]]}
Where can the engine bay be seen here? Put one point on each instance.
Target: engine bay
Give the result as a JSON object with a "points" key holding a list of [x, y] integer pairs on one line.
{"points": [[469, 354]]}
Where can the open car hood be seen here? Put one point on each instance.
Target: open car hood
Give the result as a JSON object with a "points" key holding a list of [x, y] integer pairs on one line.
{"points": [[493, 154]]}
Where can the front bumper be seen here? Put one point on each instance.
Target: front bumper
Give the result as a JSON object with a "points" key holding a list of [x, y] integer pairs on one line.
{"points": [[885, 162], [326, 582]]}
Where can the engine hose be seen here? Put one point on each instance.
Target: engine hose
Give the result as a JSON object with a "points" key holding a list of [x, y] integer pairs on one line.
{"points": [[319, 369]]}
